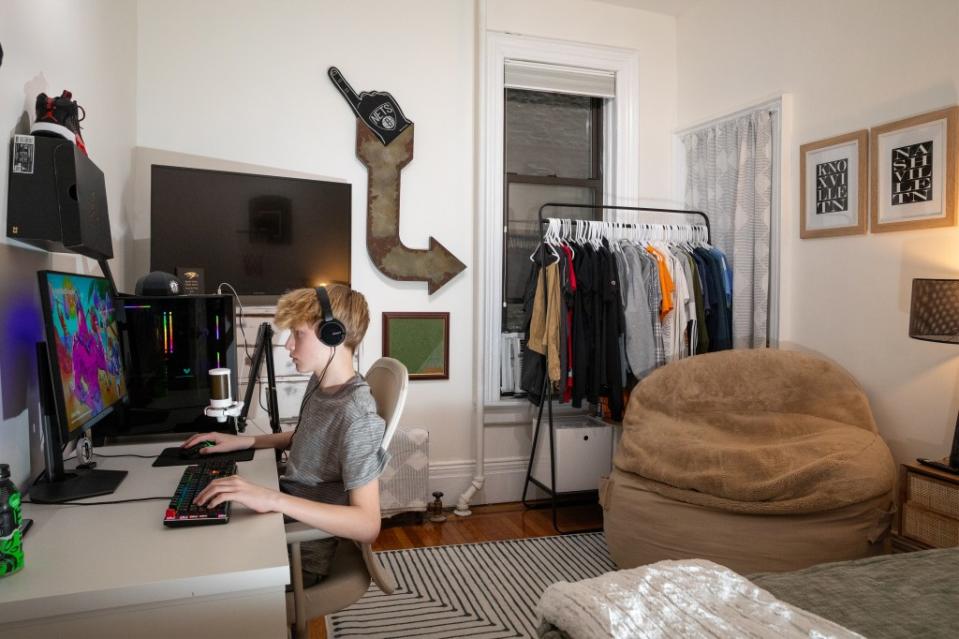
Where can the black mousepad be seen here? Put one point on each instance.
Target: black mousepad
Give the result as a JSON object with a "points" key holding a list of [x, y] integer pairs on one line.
{"points": [[171, 457]]}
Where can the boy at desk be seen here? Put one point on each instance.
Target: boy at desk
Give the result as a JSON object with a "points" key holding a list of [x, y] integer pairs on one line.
{"points": [[335, 458]]}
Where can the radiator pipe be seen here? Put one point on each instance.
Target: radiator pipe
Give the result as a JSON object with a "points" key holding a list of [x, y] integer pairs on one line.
{"points": [[463, 505]]}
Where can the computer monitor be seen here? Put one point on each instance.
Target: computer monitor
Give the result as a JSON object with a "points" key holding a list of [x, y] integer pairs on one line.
{"points": [[81, 379]]}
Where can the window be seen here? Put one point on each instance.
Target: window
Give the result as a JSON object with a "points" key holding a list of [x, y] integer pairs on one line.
{"points": [[553, 153], [541, 65]]}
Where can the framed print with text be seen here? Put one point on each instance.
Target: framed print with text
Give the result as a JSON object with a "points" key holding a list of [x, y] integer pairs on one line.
{"points": [[913, 172], [832, 185]]}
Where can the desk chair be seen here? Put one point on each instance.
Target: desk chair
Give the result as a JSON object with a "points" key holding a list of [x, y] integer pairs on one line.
{"points": [[354, 564]]}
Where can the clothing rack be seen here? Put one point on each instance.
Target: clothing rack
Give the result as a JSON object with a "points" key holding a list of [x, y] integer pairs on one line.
{"points": [[546, 397]]}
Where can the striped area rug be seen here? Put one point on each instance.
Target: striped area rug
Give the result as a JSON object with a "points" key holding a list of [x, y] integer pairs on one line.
{"points": [[487, 590]]}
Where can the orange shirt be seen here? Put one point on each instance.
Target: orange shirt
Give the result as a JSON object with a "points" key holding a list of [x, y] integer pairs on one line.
{"points": [[665, 282]]}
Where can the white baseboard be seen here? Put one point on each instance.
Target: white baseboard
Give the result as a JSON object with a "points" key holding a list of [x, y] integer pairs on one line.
{"points": [[504, 480]]}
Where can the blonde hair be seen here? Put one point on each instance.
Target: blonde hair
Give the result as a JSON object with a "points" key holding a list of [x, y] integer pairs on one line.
{"points": [[301, 306]]}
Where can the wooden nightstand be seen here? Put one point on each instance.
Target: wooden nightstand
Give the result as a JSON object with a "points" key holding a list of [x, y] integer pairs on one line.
{"points": [[928, 509]]}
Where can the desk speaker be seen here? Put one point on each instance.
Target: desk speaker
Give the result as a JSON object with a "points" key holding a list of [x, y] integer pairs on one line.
{"points": [[57, 198]]}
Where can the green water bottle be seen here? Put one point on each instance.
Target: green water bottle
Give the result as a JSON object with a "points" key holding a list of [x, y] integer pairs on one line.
{"points": [[11, 542]]}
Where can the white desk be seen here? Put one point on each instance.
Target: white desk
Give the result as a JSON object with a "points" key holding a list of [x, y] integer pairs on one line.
{"points": [[117, 571]]}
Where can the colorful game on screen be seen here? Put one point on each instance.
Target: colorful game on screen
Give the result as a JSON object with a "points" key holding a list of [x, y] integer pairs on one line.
{"points": [[87, 343]]}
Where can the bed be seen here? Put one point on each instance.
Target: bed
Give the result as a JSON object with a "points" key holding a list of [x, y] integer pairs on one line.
{"points": [[886, 597], [905, 595]]}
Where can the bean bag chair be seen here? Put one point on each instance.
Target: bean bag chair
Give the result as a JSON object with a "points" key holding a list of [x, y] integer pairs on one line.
{"points": [[760, 460]]}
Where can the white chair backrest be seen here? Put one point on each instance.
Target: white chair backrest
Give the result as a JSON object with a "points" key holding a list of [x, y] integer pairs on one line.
{"points": [[388, 380]]}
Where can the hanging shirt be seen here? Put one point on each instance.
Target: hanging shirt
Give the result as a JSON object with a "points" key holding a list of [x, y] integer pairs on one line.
{"points": [[545, 325], [702, 303], [612, 315], [623, 268], [701, 267], [728, 282], [727, 276], [533, 364], [665, 283], [699, 336], [684, 301], [717, 322], [569, 298], [680, 315], [599, 326], [641, 308], [667, 302], [655, 295], [582, 323]]}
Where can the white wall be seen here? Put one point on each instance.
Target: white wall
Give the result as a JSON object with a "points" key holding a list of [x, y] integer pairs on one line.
{"points": [[848, 65], [246, 81], [50, 45]]}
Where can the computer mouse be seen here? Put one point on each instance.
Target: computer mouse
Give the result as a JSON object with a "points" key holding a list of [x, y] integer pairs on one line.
{"points": [[193, 452]]}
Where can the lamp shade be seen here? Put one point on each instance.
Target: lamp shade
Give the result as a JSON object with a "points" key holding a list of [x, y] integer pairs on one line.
{"points": [[934, 311]]}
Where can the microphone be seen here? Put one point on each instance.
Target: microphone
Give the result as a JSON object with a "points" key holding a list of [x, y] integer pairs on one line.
{"points": [[222, 404]]}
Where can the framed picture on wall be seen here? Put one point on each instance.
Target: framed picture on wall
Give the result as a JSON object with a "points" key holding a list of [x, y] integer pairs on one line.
{"points": [[421, 341], [832, 186], [913, 172]]}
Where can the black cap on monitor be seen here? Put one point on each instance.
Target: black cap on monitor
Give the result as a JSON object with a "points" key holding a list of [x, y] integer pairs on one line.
{"points": [[159, 283]]}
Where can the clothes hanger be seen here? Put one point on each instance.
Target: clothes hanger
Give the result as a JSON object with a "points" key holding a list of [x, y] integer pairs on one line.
{"points": [[552, 236], [546, 241], [567, 226]]}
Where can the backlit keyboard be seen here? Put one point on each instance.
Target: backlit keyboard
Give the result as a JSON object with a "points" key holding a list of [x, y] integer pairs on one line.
{"points": [[182, 511]]}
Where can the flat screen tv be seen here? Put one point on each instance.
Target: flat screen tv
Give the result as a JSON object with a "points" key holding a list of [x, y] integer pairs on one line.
{"points": [[261, 234]]}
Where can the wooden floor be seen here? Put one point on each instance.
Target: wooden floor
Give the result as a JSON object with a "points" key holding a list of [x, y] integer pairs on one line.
{"points": [[487, 523]]}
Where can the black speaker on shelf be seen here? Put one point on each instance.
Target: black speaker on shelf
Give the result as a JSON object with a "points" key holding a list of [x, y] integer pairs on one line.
{"points": [[57, 198]]}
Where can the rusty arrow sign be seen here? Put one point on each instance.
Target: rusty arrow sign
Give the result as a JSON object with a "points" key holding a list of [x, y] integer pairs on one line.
{"points": [[384, 144], [436, 264]]}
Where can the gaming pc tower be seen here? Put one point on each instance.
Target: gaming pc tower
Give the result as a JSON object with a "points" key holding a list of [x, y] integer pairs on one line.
{"points": [[171, 342]]}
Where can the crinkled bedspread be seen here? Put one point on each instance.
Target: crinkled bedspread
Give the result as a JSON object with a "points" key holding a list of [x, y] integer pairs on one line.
{"points": [[693, 598], [900, 596]]}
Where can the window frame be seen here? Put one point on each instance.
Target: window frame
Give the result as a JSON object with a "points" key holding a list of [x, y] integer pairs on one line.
{"points": [[620, 180]]}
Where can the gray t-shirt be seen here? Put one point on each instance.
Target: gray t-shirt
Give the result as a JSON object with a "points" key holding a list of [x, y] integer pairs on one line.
{"points": [[336, 448]]}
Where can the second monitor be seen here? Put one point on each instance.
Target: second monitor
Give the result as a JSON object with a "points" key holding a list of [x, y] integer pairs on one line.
{"points": [[81, 378]]}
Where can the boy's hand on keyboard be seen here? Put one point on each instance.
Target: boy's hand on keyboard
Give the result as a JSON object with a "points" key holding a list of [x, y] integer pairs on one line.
{"points": [[222, 443], [238, 490]]}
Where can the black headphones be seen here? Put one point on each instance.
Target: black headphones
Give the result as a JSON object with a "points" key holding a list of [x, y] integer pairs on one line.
{"points": [[330, 330]]}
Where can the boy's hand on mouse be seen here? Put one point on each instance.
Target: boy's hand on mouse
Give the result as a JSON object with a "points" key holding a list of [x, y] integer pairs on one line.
{"points": [[222, 443], [238, 490]]}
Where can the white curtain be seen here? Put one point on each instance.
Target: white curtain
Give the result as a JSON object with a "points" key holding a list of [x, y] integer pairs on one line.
{"points": [[729, 177]]}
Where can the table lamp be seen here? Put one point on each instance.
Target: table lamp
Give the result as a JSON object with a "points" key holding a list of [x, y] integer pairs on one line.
{"points": [[934, 317]]}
